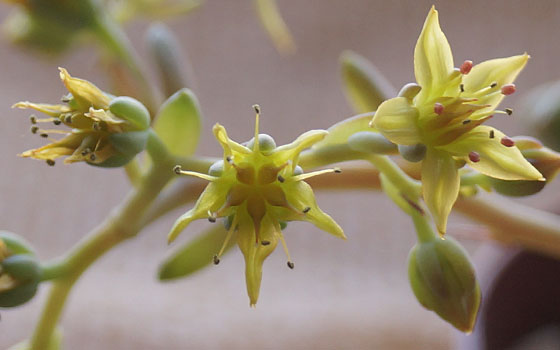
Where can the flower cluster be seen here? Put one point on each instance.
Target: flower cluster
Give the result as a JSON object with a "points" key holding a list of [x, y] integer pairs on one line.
{"points": [[105, 130], [442, 115], [258, 186]]}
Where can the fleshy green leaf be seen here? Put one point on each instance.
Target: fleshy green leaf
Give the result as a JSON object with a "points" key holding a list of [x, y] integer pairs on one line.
{"points": [[195, 254], [178, 123], [365, 86], [339, 132]]}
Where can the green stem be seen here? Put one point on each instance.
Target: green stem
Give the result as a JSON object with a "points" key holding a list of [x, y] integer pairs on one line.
{"points": [[133, 172], [113, 37], [396, 175], [53, 270], [423, 227], [122, 225]]}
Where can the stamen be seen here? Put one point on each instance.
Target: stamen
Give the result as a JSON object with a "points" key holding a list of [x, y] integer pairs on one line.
{"points": [[265, 243], [306, 210], [57, 122], [65, 99], [462, 87], [491, 134], [50, 162], [256, 145], [315, 173], [86, 152], [508, 89], [229, 159], [34, 129], [178, 171], [493, 85], [474, 157], [509, 111], [466, 121], [92, 157], [438, 108], [506, 141], [216, 260], [44, 135], [281, 178], [228, 237], [285, 246], [211, 217], [466, 67], [68, 119], [33, 119]]}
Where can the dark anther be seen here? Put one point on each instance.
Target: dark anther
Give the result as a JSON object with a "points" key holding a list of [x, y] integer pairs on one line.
{"points": [[462, 87], [92, 157], [257, 108], [465, 122], [34, 129], [337, 170], [177, 169], [265, 242], [509, 111], [57, 122], [68, 119], [491, 134], [306, 210], [65, 99], [228, 159], [493, 85], [33, 119], [291, 265], [50, 162], [216, 260], [281, 178], [86, 151], [212, 219], [44, 135]]}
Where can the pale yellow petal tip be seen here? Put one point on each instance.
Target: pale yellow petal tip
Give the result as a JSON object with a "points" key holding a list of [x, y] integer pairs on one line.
{"points": [[253, 304], [21, 105], [171, 238], [64, 75]]}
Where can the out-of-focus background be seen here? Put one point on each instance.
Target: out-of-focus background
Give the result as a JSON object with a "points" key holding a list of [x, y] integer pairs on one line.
{"points": [[351, 295]]}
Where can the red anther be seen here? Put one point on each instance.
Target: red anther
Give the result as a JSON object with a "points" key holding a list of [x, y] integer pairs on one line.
{"points": [[466, 67], [438, 108], [508, 89], [506, 141], [474, 157]]}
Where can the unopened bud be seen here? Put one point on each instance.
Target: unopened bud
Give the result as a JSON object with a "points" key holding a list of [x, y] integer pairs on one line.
{"points": [[413, 153], [443, 280], [266, 143], [131, 110]]}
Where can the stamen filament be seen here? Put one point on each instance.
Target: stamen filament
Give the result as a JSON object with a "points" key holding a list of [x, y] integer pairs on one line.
{"points": [[228, 235], [206, 177], [314, 173], [285, 246]]}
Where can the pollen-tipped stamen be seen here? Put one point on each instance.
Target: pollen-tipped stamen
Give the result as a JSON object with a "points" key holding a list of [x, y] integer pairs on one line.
{"points": [[177, 169], [228, 236], [315, 173], [285, 246], [257, 109]]}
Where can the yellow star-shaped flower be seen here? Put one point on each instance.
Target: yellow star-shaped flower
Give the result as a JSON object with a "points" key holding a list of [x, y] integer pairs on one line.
{"points": [[257, 187], [444, 112]]}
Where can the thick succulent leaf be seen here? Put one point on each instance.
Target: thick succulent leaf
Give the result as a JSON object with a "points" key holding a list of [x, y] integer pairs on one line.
{"points": [[365, 86], [195, 254], [178, 123]]}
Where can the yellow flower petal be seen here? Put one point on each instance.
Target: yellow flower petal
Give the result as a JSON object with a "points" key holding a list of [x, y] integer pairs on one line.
{"points": [[300, 195], [290, 151], [255, 254], [501, 71], [433, 60], [212, 199], [228, 144], [440, 185], [51, 110], [397, 120], [496, 160], [85, 93]]}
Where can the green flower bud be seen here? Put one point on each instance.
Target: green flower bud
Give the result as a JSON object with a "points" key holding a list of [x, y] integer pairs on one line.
{"points": [[443, 280], [15, 244], [132, 110], [266, 143], [217, 168], [18, 295], [21, 267], [371, 142], [413, 153]]}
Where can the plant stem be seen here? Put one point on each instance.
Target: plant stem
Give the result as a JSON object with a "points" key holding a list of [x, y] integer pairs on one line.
{"points": [[123, 224], [53, 270], [396, 175]]}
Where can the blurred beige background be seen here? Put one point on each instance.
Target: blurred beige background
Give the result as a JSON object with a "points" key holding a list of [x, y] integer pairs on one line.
{"points": [[351, 295]]}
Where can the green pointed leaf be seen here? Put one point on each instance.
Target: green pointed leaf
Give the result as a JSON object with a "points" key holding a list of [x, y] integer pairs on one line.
{"points": [[178, 123], [195, 255], [365, 86]]}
